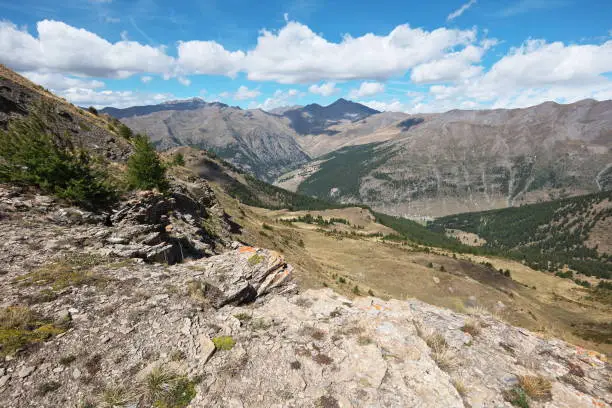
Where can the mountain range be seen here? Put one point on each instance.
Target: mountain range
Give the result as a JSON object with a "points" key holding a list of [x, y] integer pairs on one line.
{"points": [[419, 165]]}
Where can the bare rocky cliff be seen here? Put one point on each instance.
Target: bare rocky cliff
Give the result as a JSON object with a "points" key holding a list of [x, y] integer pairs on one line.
{"points": [[86, 322]]}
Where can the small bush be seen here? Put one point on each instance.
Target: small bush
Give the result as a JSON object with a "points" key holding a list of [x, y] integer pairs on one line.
{"points": [[243, 317], [166, 389], [536, 387], [267, 227], [145, 170], [67, 360], [178, 160], [224, 342], [48, 387], [255, 259], [472, 327], [118, 396], [93, 110], [125, 132], [517, 397], [31, 155]]}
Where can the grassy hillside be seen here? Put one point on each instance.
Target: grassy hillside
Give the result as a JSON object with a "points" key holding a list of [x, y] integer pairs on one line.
{"points": [[547, 236]]}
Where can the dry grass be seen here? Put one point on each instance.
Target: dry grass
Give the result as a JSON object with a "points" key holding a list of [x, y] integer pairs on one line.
{"points": [[472, 327], [538, 388], [441, 353], [460, 386], [73, 270], [20, 327], [196, 289]]}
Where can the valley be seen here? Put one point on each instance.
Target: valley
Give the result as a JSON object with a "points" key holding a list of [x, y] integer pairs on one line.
{"points": [[181, 278]]}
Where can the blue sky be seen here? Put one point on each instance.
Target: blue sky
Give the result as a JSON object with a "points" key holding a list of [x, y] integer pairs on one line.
{"points": [[391, 55]]}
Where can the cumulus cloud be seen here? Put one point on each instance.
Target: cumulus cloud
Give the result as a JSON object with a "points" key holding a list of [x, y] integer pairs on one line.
{"points": [[244, 93], [146, 79], [325, 89], [295, 54], [530, 74], [59, 82], [367, 89], [451, 67], [460, 10], [64, 49], [119, 99], [278, 99], [208, 57], [184, 81]]}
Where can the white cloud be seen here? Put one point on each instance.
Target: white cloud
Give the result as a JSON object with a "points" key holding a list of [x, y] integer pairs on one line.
{"points": [[208, 57], [59, 82], [533, 73], [386, 106], [146, 79], [61, 48], [184, 81], [525, 6], [367, 89], [119, 99], [295, 54], [244, 93], [113, 20], [460, 10], [280, 98], [452, 67], [325, 89]]}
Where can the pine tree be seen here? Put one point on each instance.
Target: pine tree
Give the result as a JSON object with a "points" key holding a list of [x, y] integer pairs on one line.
{"points": [[145, 170], [31, 155]]}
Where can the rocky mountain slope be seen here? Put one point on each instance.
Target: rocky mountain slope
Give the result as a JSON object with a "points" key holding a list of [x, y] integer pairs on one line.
{"points": [[255, 140], [472, 160], [316, 119], [90, 326], [18, 96]]}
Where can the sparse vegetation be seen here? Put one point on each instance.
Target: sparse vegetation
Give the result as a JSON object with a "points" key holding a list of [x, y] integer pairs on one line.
{"points": [[164, 388], [71, 270], [125, 132], [472, 327], [20, 327], [118, 396], [48, 386], [517, 397], [536, 387], [224, 342], [255, 259], [31, 155], [178, 160], [196, 289], [243, 317]]}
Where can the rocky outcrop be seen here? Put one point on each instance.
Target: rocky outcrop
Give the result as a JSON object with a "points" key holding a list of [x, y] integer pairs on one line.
{"points": [[281, 350], [187, 222]]}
